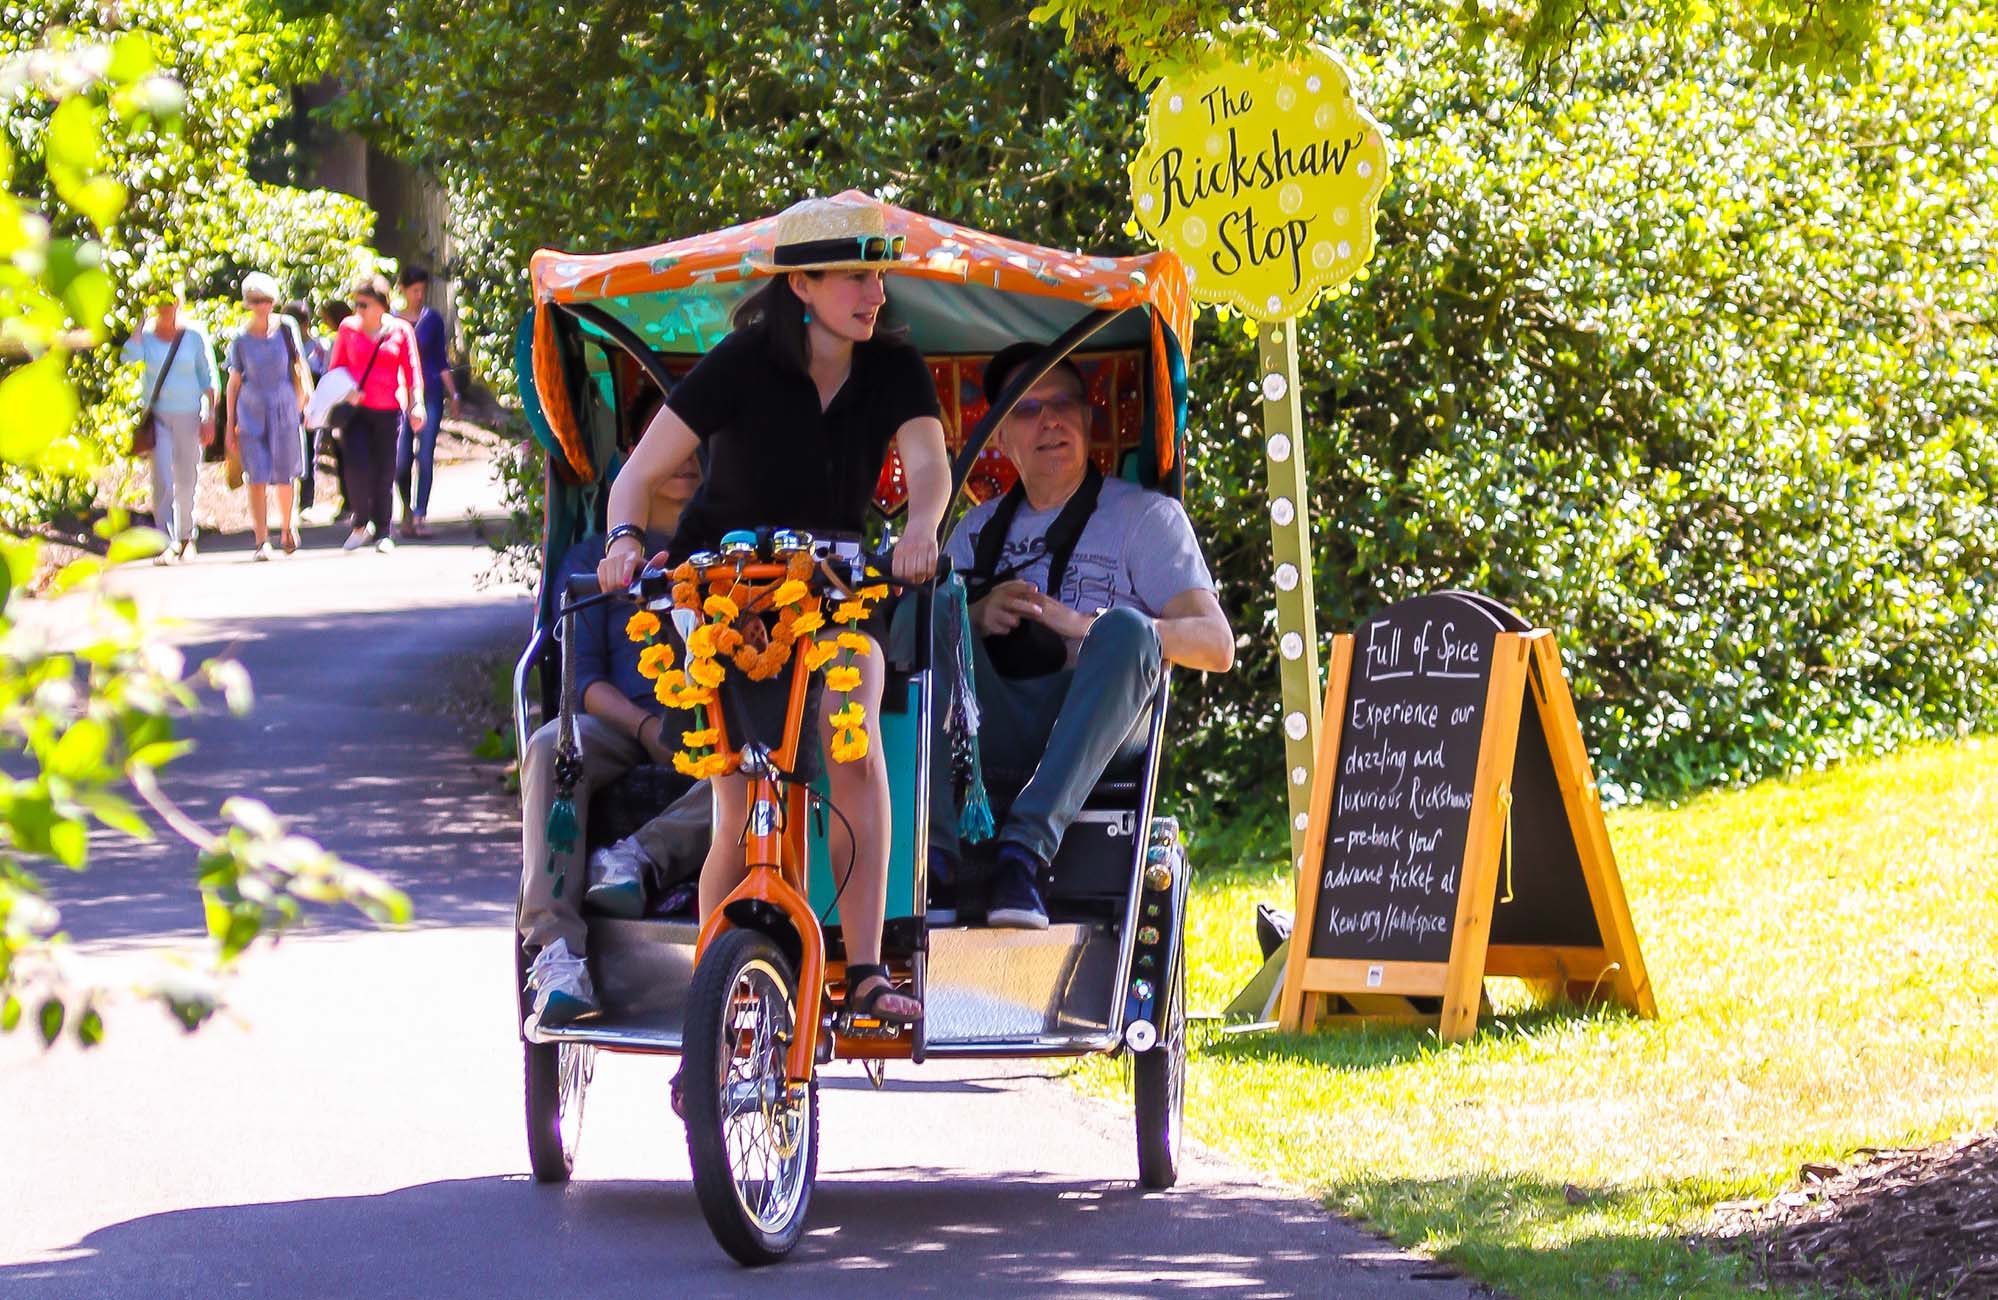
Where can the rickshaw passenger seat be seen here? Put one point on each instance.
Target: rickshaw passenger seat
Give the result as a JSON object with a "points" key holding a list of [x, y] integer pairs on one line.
{"points": [[624, 805]]}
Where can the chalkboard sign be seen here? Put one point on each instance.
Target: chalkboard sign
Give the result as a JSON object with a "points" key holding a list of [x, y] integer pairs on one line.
{"points": [[1455, 827], [1542, 871], [1406, 771]]}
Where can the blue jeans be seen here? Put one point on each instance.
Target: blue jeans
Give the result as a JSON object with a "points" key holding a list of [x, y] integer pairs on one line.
{"points": [[420, 451], [1065, 728]]}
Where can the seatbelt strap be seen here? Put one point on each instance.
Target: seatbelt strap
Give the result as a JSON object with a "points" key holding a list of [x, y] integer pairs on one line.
{"points": [[1058, 544]]}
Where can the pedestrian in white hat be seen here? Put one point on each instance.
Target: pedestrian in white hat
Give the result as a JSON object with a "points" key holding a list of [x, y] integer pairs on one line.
{"points": [[268, 383]]}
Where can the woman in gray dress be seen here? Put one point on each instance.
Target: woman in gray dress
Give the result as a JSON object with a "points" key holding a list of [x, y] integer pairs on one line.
{"points": [[266, 383]]}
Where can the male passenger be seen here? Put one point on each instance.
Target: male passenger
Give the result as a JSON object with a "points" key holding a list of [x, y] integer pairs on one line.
{"points": [[1066, 669]]}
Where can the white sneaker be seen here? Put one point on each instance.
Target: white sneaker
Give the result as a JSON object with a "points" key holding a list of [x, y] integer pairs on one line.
{"points": [[263, 552], [187, 549], [617, 880], [385, 545], [355, 540], [560, 983]]}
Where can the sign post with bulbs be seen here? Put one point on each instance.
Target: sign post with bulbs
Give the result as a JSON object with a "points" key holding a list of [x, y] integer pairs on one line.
{"points": [[1264, 178]]}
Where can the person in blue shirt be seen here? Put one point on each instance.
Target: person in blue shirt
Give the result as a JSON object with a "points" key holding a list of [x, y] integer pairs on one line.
{"points": [[179, 380], [416, 449], [620, 725]]}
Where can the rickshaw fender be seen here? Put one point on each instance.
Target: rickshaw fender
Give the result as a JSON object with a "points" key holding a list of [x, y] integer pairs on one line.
{"points": [[768, 919]]}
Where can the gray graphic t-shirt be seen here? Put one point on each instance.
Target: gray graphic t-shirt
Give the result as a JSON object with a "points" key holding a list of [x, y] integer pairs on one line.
{"points": [[1137, 550]]}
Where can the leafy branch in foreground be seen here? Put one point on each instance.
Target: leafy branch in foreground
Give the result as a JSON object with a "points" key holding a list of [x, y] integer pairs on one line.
{"points": [[94, 713], [1148, 36]]}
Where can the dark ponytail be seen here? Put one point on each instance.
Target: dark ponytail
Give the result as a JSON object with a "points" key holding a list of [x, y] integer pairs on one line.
{"points": [[778, 313]]}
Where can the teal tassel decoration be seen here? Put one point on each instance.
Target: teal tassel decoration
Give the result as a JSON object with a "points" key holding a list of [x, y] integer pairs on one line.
{"points": [[974, 818], [974, 822], [562, 826]]}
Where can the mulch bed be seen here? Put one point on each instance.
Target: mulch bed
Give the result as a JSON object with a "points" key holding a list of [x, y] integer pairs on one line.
{"points": [[1916, 1222]]}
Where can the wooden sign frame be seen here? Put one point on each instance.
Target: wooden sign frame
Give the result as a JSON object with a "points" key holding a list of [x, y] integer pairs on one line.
{"points": [[1320, 990]]}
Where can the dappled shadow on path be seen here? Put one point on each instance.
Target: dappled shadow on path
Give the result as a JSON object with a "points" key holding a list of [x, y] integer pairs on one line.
{"points": [[349, 740], [922, 1233]]}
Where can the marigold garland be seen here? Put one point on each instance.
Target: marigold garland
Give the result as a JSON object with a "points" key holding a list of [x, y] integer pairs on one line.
{"points": [[758, 651], [654, 660]]}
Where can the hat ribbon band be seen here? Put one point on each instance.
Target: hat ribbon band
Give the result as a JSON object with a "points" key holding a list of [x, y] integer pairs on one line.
{"points": [[848, 248]]}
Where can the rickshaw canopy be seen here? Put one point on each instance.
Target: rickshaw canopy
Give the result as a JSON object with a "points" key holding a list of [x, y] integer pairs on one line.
{"points": [[958, 292]]}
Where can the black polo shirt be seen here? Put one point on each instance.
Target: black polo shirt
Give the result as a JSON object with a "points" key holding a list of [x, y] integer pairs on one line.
{"points": [[771, 457]]}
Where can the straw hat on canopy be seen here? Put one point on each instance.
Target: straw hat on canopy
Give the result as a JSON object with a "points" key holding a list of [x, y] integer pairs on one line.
{"points": [[837, 234]]}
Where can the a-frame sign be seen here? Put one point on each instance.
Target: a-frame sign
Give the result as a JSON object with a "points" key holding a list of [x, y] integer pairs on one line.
{"points": [[1456, 831]]}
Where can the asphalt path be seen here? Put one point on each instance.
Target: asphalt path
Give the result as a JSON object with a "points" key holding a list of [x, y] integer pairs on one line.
{"points": [[351, 1126]]}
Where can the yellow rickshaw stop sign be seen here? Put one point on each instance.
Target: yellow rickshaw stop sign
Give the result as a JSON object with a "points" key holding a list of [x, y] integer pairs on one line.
{"points": [[1264, 178]]}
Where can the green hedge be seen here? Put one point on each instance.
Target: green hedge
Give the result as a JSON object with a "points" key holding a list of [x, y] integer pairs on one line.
{"points": [[1687, 358], [1690, 361]]}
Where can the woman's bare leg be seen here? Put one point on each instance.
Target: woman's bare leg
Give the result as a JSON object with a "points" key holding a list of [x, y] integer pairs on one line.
{"points": [[860, 790], [260, 524], [722, 870]]}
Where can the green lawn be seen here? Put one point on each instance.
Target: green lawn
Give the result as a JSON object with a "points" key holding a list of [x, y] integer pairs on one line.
{"points": [[1822, 954]]}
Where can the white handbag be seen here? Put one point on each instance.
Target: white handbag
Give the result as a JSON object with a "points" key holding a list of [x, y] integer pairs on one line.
{"points": [[334, 387]]}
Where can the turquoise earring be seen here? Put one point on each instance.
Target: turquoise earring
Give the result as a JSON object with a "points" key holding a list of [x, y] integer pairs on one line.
{"points": [[808, 315]]}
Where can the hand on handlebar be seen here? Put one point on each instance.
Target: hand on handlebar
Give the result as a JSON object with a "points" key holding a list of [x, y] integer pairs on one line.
{"points": [[620, 563], [915, 558]]}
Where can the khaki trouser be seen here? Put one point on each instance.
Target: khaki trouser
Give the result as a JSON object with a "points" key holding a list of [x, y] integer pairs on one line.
{"points": [[551, 886], [675, 841], [176, 472]]}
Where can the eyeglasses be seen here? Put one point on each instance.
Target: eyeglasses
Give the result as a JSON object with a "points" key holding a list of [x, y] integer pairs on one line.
{"points": [[880, 248], [1064, 407]]}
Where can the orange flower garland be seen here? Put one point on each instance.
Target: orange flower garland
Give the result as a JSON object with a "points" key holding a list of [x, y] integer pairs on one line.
{"points": [[759, 652]]}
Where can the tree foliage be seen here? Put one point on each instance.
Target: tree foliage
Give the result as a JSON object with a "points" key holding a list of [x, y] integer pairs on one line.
{"points": [[191, 215], [1688, 358], [94, 719], [1683, 352], [1148, 36]]}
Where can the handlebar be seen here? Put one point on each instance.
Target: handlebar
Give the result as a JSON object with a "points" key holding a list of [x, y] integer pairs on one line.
{"points": [[654, 583]]}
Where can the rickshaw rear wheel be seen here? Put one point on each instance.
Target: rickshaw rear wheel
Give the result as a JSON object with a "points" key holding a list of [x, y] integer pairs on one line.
{"points": [[1158, 1087], [753, 1142], [558, 1077]]}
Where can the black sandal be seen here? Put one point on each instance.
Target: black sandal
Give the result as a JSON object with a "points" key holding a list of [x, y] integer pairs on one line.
{"points": [[868, 1004]]}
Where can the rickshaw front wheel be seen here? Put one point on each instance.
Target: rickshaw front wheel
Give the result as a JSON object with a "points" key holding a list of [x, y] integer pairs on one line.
{"points": [[558, 1076], [752, 1139], [1158, 1086]]}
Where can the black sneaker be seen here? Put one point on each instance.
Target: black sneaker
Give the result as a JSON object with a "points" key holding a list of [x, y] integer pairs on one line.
{"points": [[942, 912], [1016, 896]]}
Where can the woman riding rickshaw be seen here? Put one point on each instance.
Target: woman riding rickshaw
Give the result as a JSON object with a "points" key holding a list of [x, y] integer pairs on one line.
{"points": [[782, 584], [794, 414]]}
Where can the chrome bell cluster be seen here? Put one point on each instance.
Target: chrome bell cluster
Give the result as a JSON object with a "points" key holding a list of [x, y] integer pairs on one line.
{"points": [[1162, 855], [787, 543], [1163, 860]]}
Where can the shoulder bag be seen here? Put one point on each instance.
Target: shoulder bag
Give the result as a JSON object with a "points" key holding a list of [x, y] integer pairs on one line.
{"points": [[301, 380], [343, 414], [143, 439]]}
